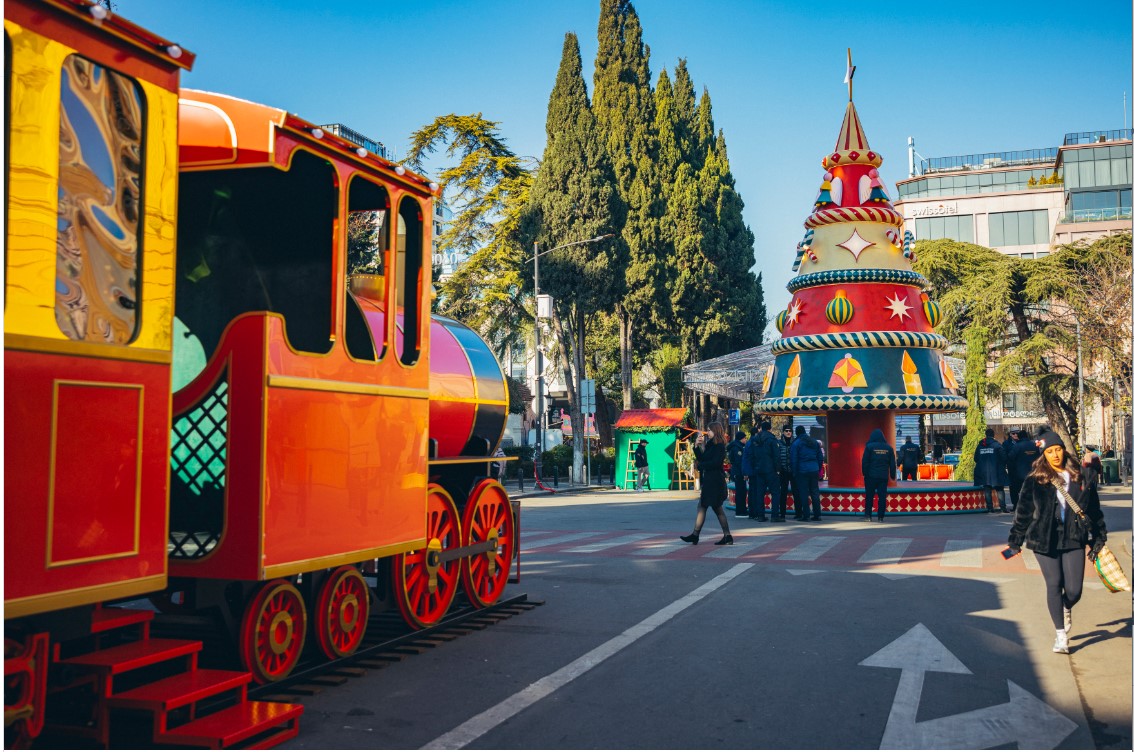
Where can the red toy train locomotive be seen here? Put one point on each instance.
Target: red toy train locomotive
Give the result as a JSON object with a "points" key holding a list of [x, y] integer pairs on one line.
{"points": [[206, 403]]}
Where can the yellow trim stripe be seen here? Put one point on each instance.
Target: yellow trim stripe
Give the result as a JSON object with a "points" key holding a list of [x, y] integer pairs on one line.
{"points": [[348, 387], [84, 596], [469, 460], [31, 343], [327, 562], [471, 400]]}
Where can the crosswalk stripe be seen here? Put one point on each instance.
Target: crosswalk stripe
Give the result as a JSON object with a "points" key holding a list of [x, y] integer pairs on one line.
{"points": [[962, 553], [886, 551], [812, 548], [660, 548], [560, 539], [738, 549], [1029, 558], [591, 548]]}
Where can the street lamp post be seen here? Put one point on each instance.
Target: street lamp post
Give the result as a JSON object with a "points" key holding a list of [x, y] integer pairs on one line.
{"points": [[540, 436]]}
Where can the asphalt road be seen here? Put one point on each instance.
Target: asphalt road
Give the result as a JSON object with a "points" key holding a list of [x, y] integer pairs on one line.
{"points": [[843, 634]]}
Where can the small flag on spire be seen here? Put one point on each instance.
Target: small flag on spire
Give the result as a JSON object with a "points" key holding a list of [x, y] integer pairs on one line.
{"points": [[849, 78]]}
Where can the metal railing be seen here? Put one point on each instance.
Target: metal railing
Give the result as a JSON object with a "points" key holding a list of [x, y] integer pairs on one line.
{"points": [[989, 161], [1110, 214], [1097, 137], [356, 138]]}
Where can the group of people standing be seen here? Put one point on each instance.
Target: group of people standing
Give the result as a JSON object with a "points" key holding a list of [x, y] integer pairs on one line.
{"points": [[999, 465], [765, 466]]}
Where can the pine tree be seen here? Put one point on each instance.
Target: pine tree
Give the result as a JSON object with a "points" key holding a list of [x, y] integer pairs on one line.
{"points": [[575, 197]]}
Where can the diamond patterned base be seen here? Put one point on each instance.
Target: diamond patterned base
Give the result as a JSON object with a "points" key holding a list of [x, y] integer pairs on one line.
{"points": [[927, 499]]}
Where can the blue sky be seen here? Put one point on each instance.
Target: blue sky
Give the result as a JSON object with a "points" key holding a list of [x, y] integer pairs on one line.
{"points": [[961, 77]]}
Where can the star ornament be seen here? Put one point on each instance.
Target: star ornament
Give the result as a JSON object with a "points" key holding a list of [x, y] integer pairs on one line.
{"points": [[794, 312], [898, 307], [856, 244]]}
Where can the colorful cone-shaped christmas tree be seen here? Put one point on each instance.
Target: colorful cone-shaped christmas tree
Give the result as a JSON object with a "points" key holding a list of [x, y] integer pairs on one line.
{"points": [[857, 341]]}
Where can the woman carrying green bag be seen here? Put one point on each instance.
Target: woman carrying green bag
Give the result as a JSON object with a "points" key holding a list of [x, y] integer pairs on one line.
{"points": [[1057, 517]]}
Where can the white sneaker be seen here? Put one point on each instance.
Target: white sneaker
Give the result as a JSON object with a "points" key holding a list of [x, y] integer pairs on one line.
{"points": [[1066, 619], [1060, 645]]}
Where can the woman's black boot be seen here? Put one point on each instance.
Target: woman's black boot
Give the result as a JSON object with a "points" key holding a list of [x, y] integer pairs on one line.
{"points": [[725, 541], [691, 538]]}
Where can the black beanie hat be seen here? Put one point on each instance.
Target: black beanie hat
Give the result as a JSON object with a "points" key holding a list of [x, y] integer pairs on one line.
{"points": [[740, 435], [1049, 438]]}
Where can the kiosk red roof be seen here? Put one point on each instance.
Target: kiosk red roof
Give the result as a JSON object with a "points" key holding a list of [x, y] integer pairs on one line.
{"points": [[662, 417]]}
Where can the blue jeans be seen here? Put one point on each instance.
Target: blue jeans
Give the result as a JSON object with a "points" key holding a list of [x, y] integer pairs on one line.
{"points": [[807, 487]]}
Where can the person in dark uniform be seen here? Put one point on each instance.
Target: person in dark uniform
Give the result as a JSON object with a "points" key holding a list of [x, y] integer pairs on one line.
{"points": [[710, 462], [760, 460], [783, 467], [642, 466], [878, 468], [1020, 460], [806, 459], [991, 471], [911, 458], [735, 451], [1047, 523]]}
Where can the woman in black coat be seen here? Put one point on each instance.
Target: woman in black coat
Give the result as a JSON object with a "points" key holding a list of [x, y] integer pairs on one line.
{"points": [[710, 461], [1048, 525]]}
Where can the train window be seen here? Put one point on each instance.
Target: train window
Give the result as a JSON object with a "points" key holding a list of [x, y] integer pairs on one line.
{"points": [[409, 270], [258, 239], [368, 243], [100, 192]]}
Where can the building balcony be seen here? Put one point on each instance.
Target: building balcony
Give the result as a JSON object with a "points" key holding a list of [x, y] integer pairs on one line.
{"points": [[989, 161], [1097, 137], [1110, 214]]}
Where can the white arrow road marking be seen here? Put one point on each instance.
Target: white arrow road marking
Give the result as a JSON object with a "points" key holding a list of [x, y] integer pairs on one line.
{"points": [[1024, 719]]}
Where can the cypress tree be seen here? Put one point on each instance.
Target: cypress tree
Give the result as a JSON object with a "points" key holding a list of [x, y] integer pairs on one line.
{"points": [[624, 112], [574, 197]]}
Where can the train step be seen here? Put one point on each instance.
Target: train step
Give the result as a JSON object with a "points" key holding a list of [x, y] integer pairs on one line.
{"points": [[122, 658], [107, 618], [177, 691], [261, 725]]}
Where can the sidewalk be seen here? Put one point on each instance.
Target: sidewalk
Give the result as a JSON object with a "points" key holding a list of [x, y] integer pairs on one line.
{"points": [[531, 490]]}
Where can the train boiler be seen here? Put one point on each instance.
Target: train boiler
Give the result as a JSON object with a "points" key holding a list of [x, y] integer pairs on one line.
{"points": [[325, 456]]}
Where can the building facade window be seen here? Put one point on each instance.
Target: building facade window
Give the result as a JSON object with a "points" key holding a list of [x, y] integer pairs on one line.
{"points": [[1097, 167], [959, 227], [1002, 181], [1018, 228]]}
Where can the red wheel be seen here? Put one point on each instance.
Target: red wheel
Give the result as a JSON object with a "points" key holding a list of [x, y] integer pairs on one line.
{"points": [[488, 519], [341, 612], [272, 631], [424, 586]]}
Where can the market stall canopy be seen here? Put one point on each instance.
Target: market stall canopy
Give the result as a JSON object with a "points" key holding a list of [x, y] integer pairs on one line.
{"points": [[740, 375]]}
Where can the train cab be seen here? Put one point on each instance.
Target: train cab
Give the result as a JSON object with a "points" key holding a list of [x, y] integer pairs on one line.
{"points": [[91, 153]]}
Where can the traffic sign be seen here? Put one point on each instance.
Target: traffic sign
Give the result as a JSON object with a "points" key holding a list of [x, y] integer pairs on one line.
{"points": [[587, 396], [734, 416]]}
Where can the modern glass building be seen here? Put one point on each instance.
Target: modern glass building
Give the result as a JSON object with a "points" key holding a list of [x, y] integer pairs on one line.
{"points": [[1023, 202]]}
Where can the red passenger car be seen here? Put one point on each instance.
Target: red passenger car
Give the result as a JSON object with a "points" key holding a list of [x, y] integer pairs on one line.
{"points": [[224, 391]]}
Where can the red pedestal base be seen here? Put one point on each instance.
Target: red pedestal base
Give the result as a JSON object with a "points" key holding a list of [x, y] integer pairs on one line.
{"points": [[847, 433]]}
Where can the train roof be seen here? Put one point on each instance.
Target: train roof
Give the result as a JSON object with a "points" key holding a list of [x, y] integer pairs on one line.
{"points": [[93, 14], [218, 130]]}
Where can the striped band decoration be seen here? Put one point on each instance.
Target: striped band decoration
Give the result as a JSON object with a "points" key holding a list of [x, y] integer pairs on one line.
{"points": [[913, 403], [841, 276], [853, 214], [840, 340]]}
